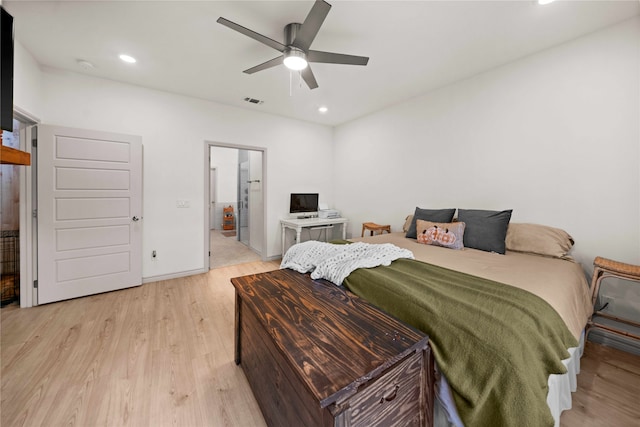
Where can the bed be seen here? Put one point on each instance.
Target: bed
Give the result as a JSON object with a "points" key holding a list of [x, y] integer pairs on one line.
{"points": [[539, 271]]}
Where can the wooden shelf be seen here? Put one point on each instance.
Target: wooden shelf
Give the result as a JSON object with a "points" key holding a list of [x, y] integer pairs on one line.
{"points": [[11, 156]]}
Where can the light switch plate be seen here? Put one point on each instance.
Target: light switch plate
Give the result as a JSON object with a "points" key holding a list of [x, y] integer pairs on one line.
{"points": [[183, 204]]}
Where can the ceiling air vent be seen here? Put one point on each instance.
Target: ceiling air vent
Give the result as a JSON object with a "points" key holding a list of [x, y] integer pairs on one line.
{"points": [[254, 101]]}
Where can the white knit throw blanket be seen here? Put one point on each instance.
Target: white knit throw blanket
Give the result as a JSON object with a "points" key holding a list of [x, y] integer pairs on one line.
{"points": [[335, 262]]}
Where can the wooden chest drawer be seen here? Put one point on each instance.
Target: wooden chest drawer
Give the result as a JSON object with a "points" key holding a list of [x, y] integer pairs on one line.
{"points": [[316, 355], [392, 400]]}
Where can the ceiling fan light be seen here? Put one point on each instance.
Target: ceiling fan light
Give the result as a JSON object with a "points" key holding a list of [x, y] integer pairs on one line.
{"points": [[127, 58], [295, 59]]}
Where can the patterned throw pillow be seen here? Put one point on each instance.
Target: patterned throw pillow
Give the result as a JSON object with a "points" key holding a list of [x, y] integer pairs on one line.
{"points": [[434, 215], [448, 235]]}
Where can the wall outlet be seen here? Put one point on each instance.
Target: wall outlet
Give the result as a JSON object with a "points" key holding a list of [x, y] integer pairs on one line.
{"points": [[183, 204]]}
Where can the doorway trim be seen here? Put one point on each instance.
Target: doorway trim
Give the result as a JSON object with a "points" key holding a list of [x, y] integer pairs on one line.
{"points": [[28, 232], [213, 177], [206, 222]]}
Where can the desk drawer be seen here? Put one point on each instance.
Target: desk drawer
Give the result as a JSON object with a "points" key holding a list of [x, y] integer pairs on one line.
{"points": [[392, 400]]}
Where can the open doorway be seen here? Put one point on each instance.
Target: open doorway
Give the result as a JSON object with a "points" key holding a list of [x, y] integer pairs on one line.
{"points": [[10, 222], [18, 240], [235, 200]]}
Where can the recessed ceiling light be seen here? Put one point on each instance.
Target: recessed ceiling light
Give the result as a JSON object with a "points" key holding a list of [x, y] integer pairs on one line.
{"points": [[543, 2], [322, 109], [127, 58]]}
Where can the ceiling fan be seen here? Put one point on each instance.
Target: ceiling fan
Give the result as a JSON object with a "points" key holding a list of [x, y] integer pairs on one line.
{"points": [[296, 54]]}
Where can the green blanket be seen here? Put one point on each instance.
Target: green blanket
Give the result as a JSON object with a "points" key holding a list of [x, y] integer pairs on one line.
{"points": [[496, 344]]}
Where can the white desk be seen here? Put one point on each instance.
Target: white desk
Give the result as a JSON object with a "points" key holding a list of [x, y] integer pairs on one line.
{"points": [[310, 223]]}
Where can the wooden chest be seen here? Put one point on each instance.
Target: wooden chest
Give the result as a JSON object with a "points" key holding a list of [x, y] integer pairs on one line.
{"points": [[316, 355]]}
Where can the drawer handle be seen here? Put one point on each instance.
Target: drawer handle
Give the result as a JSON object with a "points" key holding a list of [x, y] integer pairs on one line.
{"points": [[390, 396]]}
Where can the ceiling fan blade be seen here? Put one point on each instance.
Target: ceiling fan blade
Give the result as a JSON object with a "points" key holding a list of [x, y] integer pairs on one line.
{"points": [[336, 58], [311, 25], [250, 33], [270, 63], [309, 78]]}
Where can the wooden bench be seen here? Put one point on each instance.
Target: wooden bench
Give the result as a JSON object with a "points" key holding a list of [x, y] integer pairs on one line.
{"points": [[373, 227], [317, 355]]}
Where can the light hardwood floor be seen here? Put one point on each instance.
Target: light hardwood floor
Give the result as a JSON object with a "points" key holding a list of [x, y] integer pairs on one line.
{"points": [[162, 355]]}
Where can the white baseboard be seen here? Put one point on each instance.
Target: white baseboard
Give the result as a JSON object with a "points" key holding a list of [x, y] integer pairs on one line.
{"points": [[173, 275]]}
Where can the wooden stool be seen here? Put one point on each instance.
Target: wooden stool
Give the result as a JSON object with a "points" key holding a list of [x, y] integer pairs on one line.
{"points": [[228, 218], [603, 268], [372, 226]]}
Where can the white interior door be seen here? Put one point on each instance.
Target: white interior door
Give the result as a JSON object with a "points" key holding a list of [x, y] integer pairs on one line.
{"points": [[89, 212]]}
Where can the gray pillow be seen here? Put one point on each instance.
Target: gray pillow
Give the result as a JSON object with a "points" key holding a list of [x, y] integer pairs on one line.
{"points": [[433, 215], [485, 230]]}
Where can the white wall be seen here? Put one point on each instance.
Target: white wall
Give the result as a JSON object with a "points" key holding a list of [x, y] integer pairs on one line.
{"points": [[554, 136], [27, 82], [174, 130], [225, 160]]}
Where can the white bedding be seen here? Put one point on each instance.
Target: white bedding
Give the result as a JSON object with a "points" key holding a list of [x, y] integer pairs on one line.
{"points": [[335, 262]]}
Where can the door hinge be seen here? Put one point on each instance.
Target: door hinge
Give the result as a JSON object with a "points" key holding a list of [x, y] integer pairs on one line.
{"points": [[209, 253], [34, 137], [35, 213], [35, 284]]}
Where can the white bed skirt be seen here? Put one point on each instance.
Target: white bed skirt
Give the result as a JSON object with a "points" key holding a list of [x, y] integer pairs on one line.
{"points": [[558, 399]]}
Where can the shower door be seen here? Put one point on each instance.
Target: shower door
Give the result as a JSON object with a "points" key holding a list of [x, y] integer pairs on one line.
{"points": [[243, 198]]}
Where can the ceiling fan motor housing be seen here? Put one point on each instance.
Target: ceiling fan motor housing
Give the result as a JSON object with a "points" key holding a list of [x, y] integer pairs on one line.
{"points": [[290, 33]]}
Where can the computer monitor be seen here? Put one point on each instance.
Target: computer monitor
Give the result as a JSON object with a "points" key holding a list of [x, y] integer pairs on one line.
{"points": [[303, 204]]}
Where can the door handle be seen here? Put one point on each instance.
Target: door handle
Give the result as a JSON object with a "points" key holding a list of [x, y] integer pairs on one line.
{"points": [[135, 219]]}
